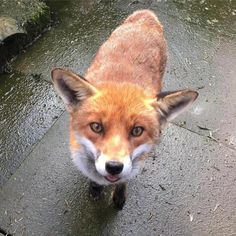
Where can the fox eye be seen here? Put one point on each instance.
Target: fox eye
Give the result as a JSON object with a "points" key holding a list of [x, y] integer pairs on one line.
{"points": [[96, 127], [137, 131]]}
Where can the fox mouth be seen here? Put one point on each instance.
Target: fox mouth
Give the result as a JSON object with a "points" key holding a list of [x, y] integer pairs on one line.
{"points": [[112, 178]]}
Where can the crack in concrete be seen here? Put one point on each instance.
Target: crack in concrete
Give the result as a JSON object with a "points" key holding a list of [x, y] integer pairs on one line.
{"points": [[207, 137]]}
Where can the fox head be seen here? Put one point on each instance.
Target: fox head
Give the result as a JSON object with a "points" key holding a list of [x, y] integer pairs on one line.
{"points": [[114, 124]]}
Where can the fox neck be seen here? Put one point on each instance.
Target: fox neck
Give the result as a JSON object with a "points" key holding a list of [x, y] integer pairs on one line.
{"points": [[122, 77]]}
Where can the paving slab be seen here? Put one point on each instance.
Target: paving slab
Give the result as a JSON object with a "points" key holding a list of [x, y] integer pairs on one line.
{"points": [[188, 187]]}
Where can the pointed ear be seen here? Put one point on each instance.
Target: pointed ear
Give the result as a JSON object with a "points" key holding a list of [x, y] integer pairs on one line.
{"points": [[171, 104], [72, 88]]}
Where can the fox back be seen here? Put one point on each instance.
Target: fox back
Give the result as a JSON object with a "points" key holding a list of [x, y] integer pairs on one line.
{"points": [[117, 108], [135, 52]]}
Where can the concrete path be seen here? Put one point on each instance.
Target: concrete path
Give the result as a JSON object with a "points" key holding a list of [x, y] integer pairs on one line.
{"points": [[188, 185]]}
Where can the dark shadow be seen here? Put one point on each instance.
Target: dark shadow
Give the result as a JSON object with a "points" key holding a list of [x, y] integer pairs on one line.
{"points": [[89, 217], [10, 47]]}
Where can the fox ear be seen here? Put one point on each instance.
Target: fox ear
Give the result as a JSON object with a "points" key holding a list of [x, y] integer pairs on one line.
{"points": [[171, 104], [72, 88]]}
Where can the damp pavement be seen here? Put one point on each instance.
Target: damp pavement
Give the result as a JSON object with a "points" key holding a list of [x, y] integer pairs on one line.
{"points": [[188, 185]]}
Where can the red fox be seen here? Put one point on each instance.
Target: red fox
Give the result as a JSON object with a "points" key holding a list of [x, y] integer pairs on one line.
{"points": [[117, 109]]}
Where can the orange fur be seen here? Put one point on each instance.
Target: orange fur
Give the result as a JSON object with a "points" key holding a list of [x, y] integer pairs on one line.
{"points": [[135, 52], [119, 108]]}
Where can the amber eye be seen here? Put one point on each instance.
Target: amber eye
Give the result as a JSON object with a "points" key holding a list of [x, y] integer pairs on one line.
{"points": [[137, 131], [96, 127]]}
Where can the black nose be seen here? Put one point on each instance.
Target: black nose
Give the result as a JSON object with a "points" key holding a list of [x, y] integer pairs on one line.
{"points": [[114, 167]]}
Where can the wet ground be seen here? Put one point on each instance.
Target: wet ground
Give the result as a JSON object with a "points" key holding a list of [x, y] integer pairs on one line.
{"points": [[195, 162]]}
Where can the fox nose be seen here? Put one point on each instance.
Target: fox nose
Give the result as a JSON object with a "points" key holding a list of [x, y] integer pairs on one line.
{"points": [[114, 167]]}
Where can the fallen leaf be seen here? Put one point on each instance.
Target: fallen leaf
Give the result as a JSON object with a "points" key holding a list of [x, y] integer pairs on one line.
{"points": [[190, 217], [203, 128]]}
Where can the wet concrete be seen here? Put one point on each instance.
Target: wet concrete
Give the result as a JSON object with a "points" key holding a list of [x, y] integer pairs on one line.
{"points": [[28, 108], [47, 196]]}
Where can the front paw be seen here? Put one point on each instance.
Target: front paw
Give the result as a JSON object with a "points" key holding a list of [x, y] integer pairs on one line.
{"points": [[119, 201], [119, 196], [95, 191]]}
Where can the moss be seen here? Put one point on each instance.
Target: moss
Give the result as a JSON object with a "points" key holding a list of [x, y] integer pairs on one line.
{"points": [[37, 22], [32, 16]]}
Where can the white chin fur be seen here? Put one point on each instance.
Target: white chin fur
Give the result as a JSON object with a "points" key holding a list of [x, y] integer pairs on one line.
{"points": [[87, 145]]}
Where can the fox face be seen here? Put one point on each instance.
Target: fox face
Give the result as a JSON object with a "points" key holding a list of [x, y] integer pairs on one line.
{"points": [[118, 109], [118, 130], [114, 125]]}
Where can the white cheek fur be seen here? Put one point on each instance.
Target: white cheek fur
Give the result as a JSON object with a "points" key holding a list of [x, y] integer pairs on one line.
{"points": [[77, 157], [85, 162], [127, 167], [140, 150], [87, 144], [100, 164], [87, 168]]}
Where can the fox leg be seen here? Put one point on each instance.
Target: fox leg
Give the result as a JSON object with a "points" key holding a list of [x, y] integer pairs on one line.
{"points": [[95, 190], [119, 196]]}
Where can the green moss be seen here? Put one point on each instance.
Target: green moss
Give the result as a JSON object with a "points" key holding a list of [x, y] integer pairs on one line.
{"points": [[31, 16]]}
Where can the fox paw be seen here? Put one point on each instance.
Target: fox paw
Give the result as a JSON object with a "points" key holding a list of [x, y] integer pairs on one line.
{"points": [[119, 202], [95, 191], [119, 196]]}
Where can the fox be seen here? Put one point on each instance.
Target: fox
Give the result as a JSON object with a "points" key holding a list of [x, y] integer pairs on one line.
{"points": [[117, 108]]}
